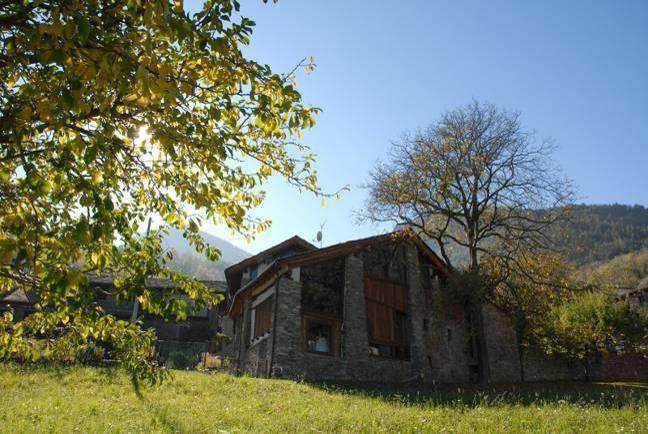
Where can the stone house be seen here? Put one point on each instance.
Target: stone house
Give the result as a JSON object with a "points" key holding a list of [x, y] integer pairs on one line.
{"points": [[373, 310], [360, 310], [637, 297]]}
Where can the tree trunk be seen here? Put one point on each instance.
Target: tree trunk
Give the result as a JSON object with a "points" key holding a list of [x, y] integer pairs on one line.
{"points": [[472, 250], [520, 329], [586, 367], [482, 348]]}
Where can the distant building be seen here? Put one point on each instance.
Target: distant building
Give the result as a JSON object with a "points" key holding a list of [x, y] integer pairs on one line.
{"points": [[195, 335], [639, 297]]}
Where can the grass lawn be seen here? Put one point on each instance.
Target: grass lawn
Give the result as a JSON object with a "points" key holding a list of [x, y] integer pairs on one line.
{"points": [[84, 399]]}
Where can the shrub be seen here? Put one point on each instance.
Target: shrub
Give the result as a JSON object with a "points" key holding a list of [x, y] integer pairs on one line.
{"points": [[181, 360]]}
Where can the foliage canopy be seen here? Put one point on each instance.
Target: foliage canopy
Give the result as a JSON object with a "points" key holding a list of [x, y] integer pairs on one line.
{"points": [[593, 323], [475, 179], [115, 111]]}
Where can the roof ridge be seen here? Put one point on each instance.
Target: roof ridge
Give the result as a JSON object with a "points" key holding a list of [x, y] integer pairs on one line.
{"points": [[287, 241]]}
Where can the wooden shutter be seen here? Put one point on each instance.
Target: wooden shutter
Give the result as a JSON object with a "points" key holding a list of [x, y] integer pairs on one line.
{"points": [[386, 306], [263, 317]]}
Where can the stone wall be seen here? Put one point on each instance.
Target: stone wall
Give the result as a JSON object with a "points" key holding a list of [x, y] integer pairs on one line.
{"points": [[228, 326], [500, 337], [355, 337], [504, 360], [448, 338], [361, 366], [287, 328], [505, 365], [258, 358], [290, 358], [354, 362], [621, 367], [417, 317], [539, 367]]}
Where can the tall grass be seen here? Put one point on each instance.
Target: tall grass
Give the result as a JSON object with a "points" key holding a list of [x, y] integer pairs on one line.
{"points": [[86, 399]]}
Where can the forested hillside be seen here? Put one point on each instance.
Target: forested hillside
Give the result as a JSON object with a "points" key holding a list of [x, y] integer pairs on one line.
{"points": [[195, 265], [595, 235], [623, 271], [599, 233], [607, 243]]}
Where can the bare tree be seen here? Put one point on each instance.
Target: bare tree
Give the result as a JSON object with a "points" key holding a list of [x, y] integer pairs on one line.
{"points": [[475, 179]]}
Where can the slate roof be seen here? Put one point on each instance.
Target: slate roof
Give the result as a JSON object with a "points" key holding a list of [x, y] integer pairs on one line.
{"points": [[155, 282], [18, 296], [295, 241]]}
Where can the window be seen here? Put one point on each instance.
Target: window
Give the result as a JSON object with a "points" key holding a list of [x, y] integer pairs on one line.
{"points": [[322, 287], [321, 307], [386, 318], [318, 337], [262, 317], [321, 334]]}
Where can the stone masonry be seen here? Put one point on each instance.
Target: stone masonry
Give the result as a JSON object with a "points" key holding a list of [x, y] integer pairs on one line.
{"points": [[281, 353]]}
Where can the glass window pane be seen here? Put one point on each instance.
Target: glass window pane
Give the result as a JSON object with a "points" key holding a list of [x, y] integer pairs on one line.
{"points": [[318, 337]]}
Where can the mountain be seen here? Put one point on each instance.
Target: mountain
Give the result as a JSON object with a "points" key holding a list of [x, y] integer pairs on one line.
{"points": [[594, 235], [599, 233], [608, 244], [194, 264], [230, 253]]}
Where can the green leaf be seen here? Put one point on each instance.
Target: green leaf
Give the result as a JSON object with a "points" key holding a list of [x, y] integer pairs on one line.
{"points": [[68, 98], [84, 29]]}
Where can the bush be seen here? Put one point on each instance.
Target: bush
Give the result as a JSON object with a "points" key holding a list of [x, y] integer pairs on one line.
{"points": [[594, 323], [181, 360], [198, 331]]}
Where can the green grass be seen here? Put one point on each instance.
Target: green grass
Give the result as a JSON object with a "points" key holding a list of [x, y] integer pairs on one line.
{"points": [[83, 399]]}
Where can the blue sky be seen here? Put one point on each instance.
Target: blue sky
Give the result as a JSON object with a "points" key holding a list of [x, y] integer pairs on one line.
{"points": [[578, 72]]}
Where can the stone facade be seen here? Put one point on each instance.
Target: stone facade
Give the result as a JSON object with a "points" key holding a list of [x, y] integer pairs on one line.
{"points": [[256, 355], [448, 339], [417, 317], [353, 361], [282, 352]]}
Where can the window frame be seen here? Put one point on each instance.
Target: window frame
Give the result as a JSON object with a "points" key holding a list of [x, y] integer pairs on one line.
{"points": [[253, 271], [331, 322]]}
